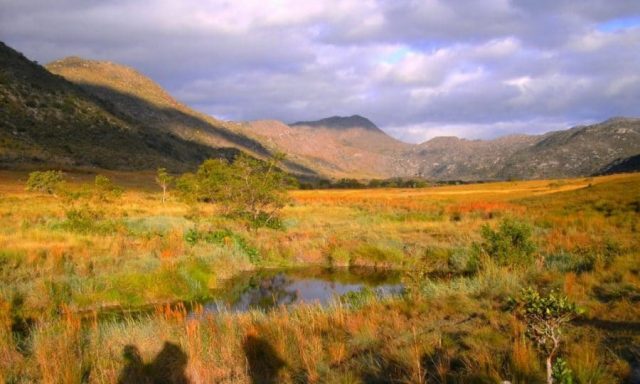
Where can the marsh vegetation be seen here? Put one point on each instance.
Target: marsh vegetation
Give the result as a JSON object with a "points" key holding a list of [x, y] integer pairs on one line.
{"points": [[463, 255]]}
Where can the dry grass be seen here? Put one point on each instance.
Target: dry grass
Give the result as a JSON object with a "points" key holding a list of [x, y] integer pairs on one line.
{"points": [[456, 329]]}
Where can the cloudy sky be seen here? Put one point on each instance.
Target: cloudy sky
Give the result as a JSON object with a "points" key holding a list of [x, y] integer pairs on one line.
{"points": [[418, 69]]}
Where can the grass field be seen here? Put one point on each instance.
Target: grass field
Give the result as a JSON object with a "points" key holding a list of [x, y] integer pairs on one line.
{"points": [[62, 261]]}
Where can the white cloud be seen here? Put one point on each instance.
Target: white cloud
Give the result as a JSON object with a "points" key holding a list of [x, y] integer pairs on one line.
{"points": [[416, 68]]}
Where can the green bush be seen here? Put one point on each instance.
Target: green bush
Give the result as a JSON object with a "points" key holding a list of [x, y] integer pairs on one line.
{"points": [[86, 221], [358, 299], [567, 262], [561, 373], [463, 261], [510, 244], [105, 190], [222, 238], [44, 181], [371, 253]]}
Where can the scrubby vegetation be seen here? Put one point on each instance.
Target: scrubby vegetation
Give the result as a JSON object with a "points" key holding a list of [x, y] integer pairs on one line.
{"points": [[466, 253], [245, 187], [45, 181]]}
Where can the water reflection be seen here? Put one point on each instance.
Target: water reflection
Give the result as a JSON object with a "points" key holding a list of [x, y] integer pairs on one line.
{"points": [[269, 289]]}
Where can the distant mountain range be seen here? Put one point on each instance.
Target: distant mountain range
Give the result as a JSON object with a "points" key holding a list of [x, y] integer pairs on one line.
{"points": [[78, 112]]}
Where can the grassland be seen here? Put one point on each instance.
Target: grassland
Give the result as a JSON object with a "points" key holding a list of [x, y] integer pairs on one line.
{"points": [[62, 261]]}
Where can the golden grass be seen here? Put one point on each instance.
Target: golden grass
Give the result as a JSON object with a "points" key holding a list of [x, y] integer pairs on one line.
{"points": [[456, 330]]}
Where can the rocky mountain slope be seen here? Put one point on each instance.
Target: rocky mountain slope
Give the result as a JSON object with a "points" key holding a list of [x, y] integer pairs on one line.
{"points": [[355, 146], [45, 119], [141, 99], [579, 151], [83, 112], [343, 146]]}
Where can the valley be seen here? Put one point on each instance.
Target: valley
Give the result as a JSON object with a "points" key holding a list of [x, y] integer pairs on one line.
{"points": [[142, 241], [59, 274]]}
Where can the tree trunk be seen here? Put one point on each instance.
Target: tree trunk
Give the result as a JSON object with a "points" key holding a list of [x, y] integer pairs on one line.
{"points": [[164, 193], [552, 355]]}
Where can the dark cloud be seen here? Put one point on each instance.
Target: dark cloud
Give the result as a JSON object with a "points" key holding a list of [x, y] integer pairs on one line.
{"points": [[416, 68]]}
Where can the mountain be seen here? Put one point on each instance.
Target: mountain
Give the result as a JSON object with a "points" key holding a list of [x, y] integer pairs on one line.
{"points": [[630, 164], [141, 99], [341, 123], [584, 150], [451, 158], [80, 112], [45, 119], [579, 151], [340, 146], [354, 146]]}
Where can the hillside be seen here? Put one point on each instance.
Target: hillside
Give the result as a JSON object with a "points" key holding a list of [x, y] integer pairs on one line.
{"points": [[45, 119], [354, 146], [451, 158], [95, 113], [141, 99], [579, 151], [346, 146]]}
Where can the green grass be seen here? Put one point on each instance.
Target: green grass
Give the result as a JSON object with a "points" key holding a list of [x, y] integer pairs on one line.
{"points": [[58, 269]]}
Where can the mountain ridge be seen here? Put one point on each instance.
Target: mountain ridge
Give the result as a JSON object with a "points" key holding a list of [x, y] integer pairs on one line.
{"points": [[143, 126], [340, 122], [45, 119]]}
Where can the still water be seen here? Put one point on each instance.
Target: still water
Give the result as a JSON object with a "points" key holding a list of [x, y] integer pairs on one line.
{"points": [[267, 289]]}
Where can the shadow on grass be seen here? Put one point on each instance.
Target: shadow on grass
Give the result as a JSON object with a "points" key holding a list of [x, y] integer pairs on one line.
{"points": [[608, 325], [167, 368], [381, 370], [264, 362]]}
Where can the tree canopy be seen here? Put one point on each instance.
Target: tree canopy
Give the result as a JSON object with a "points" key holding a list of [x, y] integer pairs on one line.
{"points": [[247, 186]]}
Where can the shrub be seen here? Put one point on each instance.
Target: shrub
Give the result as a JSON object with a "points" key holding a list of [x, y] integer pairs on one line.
{"points": [[377, 255], [545, 316], [510, 244], [105, 190], [561, 372], [567, 262], [223, 238], [463, 261], [358, 299], [87, 221], [339, 257], [44, 181]]}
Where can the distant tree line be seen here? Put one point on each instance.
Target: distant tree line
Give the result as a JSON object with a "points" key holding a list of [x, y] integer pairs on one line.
{"points": [[349, 183], [396, 182]]}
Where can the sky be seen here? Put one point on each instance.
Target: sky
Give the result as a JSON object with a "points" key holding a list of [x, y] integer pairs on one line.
{"points": [[417, 69]]}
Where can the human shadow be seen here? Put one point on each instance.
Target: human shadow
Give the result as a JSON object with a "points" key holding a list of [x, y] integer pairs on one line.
{"points": [[167, 368], [264, 362]]}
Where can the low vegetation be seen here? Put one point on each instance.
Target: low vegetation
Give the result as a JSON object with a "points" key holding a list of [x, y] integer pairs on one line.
{"points": [[494, 275], [245, 187]]}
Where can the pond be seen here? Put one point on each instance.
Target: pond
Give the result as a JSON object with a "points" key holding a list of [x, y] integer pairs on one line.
{"points": [[267, 289]]}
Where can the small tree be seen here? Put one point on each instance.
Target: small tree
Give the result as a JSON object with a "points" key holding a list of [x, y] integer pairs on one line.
{"points": [[248, 187], [545, 316], [258, 188], [45, 181], [164, 180]]}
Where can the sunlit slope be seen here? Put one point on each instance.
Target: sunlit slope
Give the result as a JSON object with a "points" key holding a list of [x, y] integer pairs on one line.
{"points": [[46, 121]]}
